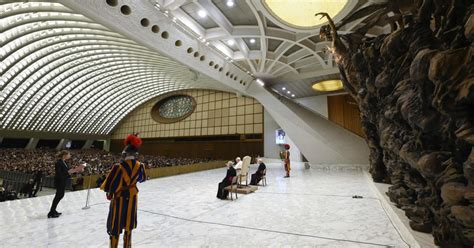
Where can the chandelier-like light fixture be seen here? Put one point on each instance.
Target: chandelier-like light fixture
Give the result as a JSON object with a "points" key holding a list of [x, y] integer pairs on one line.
{"points": [[300, 13], [328, 85]]}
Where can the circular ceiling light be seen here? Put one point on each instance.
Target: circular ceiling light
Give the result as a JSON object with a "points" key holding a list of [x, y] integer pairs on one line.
{"points": [[300, 13], [328, 85], [230, 3], [202, 13], [230, 42], [252, 41]]}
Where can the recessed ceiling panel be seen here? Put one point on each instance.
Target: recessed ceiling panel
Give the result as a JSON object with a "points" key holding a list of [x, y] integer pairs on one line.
{"points": [[238, 14]]}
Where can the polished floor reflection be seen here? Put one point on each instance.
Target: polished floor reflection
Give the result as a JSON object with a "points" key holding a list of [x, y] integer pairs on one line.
{"points": [[313, 208]]}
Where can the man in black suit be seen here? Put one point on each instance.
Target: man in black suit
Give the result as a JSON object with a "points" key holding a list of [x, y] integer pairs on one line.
{"points": [[61, 177]]}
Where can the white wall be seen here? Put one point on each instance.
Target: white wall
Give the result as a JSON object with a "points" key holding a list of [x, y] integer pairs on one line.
{"points": [[317, 104], [270, 148], [295, 153]]}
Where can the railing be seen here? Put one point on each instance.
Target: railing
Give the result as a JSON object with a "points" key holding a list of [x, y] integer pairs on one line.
{"points": [[14, 180]]}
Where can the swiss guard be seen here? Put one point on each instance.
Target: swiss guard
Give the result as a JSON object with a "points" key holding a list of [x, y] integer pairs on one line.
{"points": [[285, 156], [121, 188]]}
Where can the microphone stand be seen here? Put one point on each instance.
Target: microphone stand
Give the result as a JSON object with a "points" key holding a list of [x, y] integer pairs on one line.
{"points": [[88, 190]]}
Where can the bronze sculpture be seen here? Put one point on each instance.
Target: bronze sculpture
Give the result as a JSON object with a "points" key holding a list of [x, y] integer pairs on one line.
{"points": [[415, 91]]}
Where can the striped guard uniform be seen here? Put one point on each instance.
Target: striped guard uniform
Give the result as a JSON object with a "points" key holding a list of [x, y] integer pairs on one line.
{"points": [[122, 183]]}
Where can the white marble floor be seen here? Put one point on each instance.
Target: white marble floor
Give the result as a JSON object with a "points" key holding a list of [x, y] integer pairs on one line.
{"points": [[313, 208]]}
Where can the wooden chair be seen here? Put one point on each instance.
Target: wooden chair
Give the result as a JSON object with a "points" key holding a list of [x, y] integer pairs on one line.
{"points": [[232, 188], [244, 172], [264, 178]]}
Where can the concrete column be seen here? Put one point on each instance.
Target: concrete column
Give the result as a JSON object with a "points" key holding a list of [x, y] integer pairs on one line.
{"points": [[62, 144], [295, 152], [107, 145], [88, 144], [320, 140], [32, 144]]}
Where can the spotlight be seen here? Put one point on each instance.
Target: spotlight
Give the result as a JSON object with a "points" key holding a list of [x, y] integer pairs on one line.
{"points": [[283, 88], [289, 92], [230, 42], [202, 13], [293, 95], [230, 3], [260, 82], [252, 41]]}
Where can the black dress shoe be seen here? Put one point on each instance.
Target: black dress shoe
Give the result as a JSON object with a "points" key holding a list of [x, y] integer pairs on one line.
{"points": [[58, 213], [53, 215]]}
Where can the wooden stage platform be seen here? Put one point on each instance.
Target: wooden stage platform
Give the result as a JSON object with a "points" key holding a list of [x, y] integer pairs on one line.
{"points": [[242, 189]]}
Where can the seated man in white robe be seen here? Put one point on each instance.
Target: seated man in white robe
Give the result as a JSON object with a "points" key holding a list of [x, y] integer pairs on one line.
{"points": [[238, 165]]}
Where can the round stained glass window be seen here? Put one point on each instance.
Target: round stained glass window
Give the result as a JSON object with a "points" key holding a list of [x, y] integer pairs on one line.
{"points": [[173, 108]]}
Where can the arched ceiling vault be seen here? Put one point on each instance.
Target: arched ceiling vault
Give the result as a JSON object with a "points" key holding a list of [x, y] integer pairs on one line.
{"points": [[72, 66], [62, 72]]}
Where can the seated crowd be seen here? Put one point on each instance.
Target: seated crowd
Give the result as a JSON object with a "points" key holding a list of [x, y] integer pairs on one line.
{"points": [[100, 161], [7, 195], [40, 163]]}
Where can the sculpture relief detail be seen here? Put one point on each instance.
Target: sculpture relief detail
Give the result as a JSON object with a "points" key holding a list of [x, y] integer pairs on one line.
{"points": [[415, 90]]}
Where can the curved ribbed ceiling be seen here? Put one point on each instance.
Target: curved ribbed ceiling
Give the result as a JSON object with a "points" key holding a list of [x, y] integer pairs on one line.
{"points": [[61, 72]]}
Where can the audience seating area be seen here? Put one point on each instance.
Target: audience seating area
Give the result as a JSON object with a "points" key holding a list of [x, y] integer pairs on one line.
{"points": [[18, 166], [100, 161]]}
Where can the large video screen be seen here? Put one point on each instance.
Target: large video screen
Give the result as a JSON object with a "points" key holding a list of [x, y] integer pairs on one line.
{"points": [[280, 136]]}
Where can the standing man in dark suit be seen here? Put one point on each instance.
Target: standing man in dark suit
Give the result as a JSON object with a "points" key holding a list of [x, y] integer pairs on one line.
{"points": [[61, 176]]}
